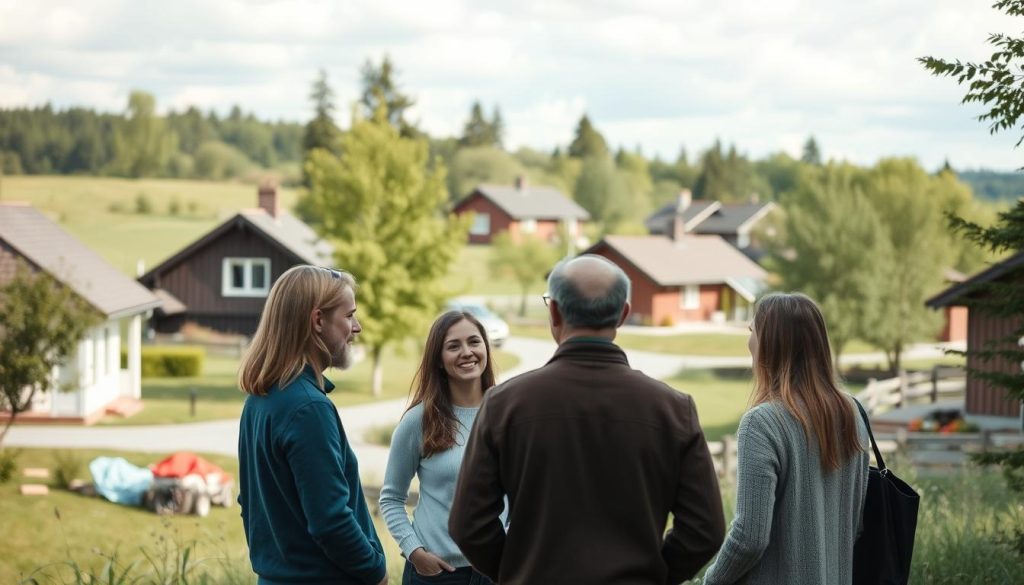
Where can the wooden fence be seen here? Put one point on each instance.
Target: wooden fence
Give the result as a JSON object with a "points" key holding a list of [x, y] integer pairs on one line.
{"points": [[915, 387]]}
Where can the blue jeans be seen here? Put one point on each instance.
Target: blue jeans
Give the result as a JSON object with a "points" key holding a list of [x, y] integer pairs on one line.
{"points": [[461, 576]]}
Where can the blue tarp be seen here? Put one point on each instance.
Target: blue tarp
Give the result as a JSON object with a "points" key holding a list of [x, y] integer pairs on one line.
{"points": [[120, 481]]}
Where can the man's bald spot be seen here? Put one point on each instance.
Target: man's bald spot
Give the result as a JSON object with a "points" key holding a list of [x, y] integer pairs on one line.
{"points": [[591, 275]]}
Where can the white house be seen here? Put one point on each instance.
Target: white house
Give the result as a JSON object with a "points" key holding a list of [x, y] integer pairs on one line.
{"points": [[93, 378]]}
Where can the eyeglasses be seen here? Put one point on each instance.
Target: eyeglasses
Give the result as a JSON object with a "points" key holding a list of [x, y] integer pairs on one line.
{"points": [[546, 298], [336, 274]]}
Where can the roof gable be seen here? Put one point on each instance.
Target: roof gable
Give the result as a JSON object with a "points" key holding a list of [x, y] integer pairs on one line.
{"points": [[731, 219], [531, 202], [46, 245], [284, 231], [709, 217], [691, 260], [951, 295]]}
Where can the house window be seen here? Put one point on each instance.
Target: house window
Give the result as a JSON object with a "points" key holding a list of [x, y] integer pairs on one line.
{"points": [[481, 224], [690, 297], [529, 226], [246, 277]]}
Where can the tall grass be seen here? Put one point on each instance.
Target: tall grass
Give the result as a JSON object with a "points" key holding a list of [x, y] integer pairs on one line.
{"points": [[963, 529], [168, 559]]}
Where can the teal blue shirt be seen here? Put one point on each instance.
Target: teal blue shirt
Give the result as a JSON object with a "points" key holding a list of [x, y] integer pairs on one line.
{"points": [[303, 509]]}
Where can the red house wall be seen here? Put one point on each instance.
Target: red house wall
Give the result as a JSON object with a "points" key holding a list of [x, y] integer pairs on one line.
{"points": [[500, 221], [982, 397], [660, 305], [954, 327]]}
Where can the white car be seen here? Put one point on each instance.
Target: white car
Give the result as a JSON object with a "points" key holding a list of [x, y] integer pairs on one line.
{"points": [[496, 327]]}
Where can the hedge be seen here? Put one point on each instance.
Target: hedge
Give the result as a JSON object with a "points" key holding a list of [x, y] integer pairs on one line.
{"points": [[169, 361]]}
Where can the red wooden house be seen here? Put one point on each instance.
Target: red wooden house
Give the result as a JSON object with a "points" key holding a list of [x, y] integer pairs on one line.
{"points": [[983, 398], [685, 277], [521, 210]]}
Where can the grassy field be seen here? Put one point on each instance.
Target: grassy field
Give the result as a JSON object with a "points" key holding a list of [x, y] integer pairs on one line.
{"points": [[721, 398], [167, 399], [963, 516], [64, 526], [83, 206]]}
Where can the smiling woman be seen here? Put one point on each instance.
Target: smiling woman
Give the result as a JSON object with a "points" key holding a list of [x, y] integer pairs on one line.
{"points": [[429, 443]]}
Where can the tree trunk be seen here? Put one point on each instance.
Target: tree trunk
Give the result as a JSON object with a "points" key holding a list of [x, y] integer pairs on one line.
{"points": [[522, 301], [377, 383], [7, 427]]}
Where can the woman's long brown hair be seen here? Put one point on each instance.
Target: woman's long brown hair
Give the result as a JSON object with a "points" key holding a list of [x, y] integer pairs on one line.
{"points": [[794, 366], [430, 386]]}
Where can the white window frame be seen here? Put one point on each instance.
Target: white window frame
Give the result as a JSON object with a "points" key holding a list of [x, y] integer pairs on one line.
{"points": [[247, 290], [528, 226], [689, 297], [481, 224]]}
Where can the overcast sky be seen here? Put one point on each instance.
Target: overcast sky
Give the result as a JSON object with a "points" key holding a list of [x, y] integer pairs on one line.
{"points": [[660, 74]]}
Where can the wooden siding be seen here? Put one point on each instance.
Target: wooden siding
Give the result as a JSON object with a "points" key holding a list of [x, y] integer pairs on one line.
{"points": [[661, 305], [982, 397], [500, 221], [196, 281]]}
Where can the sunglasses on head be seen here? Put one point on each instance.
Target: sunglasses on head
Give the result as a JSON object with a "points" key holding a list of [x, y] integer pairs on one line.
{"points": [[336, 274]]}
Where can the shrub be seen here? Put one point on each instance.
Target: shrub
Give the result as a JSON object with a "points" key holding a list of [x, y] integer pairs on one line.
{"points": [[143, 206], [174, 207], [8, 464], [68, 466], [379, 435], [667, 321], [174, 361]]}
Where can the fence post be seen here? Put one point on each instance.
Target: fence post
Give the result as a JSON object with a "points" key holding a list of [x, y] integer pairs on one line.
{"points": [[901, 439], [872, 395], [986, 440], [728, 442], [192, 396], [935, 384], [904, 384]]}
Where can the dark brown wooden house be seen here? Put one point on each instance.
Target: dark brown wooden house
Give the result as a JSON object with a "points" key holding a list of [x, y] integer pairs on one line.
{"points": [[982, 397], [222, 279]]}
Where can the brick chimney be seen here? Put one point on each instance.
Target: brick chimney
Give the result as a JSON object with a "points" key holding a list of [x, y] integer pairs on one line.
{"points": [[678, 223], [520, 183], [268, 199]]}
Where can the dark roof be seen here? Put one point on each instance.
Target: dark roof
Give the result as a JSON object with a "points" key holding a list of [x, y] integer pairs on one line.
{"points": [[691, 260], [53, 250], [730, 219], [660, 222], [532, 202], [285, 230], [724, 218], [950, 296]]}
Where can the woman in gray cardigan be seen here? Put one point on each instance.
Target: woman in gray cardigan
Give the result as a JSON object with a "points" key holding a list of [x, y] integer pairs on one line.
{"points": [[802, 458]]}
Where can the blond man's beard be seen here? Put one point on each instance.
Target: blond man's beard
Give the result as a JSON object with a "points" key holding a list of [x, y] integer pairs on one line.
{"points": [[343, 359]]}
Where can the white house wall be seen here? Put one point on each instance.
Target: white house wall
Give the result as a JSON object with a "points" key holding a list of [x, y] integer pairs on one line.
{"points": [[92, 376]]}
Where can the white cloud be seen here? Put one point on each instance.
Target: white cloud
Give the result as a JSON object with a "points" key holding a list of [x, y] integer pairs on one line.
{"points": [[660, 73]]}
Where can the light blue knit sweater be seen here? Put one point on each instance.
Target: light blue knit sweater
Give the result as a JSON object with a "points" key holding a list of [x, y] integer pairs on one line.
{"points": [[437, 475], [795, 523]]}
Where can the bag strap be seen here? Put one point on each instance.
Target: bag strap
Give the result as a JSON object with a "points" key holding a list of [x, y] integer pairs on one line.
{"points": [[874, 445]]}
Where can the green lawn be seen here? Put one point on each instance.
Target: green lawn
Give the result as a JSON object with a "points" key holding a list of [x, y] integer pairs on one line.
{"points": [[86, 528], [82, 205], [167, 399], [471, 275], [721, 397]]}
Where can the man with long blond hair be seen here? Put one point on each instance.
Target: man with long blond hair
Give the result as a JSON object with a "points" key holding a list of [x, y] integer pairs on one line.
{"points": [[303, 508]]}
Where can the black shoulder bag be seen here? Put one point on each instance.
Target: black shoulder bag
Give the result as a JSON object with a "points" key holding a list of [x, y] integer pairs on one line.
{"points": [[882, 554]]}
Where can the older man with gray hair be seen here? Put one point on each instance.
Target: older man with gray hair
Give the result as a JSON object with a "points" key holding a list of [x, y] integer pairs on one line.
{"points": [[592, 455]]}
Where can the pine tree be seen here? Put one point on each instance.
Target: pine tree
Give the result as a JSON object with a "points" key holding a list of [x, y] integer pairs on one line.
{"points": [[811, 154], [588, 142], [380, 88]]}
